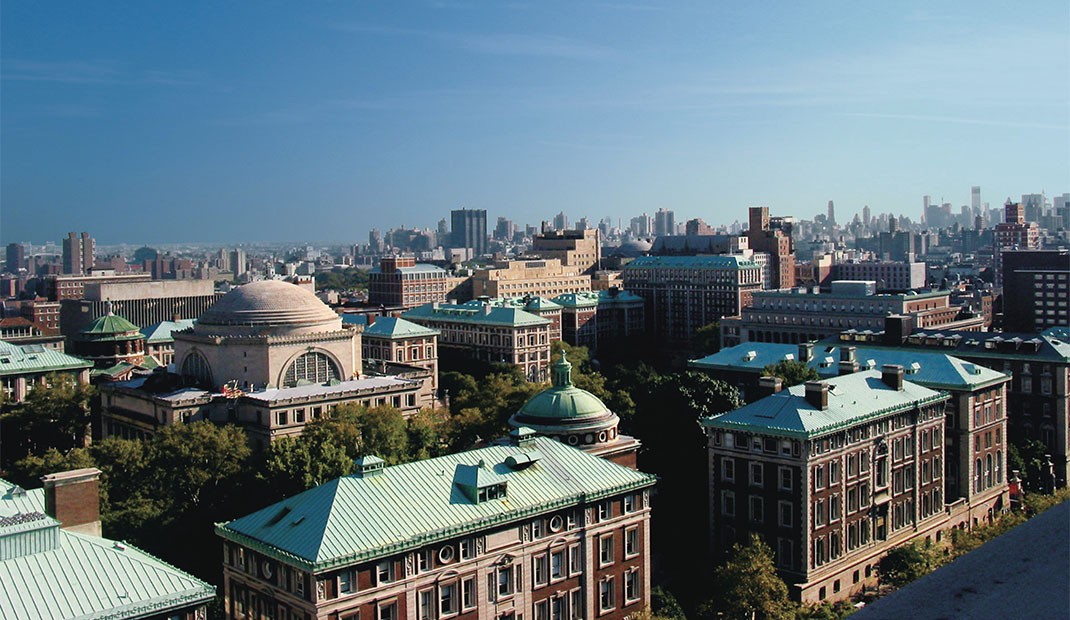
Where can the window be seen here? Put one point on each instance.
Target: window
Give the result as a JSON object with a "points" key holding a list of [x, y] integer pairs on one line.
{"points": [[786, 514], [505, 581], [557, 565], [468, 549], [574, 560], [834, 472], [604, 511], [757, 509], [728, 503], [629, 503], [313, 367], [631, 542], [540, 568], [537, 529], [605, 595], [631, 586], [819, 512], [783, 555], [576, 605], [728, 469], [347, 582], [427, 604], [468, 593], [542, 610], [423, 560], [819, 477], [384, 572], [447, 598], [756, 474], [388, 611], [785, 478], [605, 550]]}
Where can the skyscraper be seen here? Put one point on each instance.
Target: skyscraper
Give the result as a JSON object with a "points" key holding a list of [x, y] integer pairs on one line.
{"points": [[78, 253], [469, 229], [975, 199], [664, 223], [15, 256], [867, 215], [561, 221], [832, 216]]}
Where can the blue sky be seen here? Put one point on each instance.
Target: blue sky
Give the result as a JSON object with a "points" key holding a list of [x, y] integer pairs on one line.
{"points": [[162, 122]]}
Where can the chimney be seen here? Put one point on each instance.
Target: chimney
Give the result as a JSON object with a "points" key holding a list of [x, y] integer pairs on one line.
{"points": [[848, 363], [769, 385], [806, 352], [892, 375], [896, 328], [368, 466], [522, 437], [73, 499], [817, 394]]}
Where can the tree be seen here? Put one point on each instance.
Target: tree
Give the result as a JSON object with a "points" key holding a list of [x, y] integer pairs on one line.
{"points": [[747, 585], [708, 338], [383, 433], [54, 414], [906, 563], [191, 463], [295, 464], [1030, 457], [791, 372], [428, 431]]}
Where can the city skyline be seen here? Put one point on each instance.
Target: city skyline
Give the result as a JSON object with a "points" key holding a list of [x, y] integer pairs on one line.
{"points": [[247, 123]]}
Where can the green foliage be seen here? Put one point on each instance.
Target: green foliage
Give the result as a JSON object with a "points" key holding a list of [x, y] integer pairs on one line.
{"points": [[747, 585], [28, 470], [55, 415], [294, 464], [428, 431], [348, 279], [825, 611], [708, 338], [908, 562], [1029, 457], [194, 462], [792, 372], [384, 434], [663, 605]]}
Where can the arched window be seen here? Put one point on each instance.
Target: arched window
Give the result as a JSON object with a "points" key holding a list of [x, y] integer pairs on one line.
{"points": [[977, 475], [311, 367], [196, 370], [988, 470], [999, 467]]}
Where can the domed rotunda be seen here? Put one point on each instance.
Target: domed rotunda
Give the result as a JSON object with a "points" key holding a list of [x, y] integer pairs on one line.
{"points": [[576, 417], [268, 334]]}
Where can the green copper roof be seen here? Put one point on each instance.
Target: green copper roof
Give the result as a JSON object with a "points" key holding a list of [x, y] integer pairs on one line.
{"points": [[564, 407], [85, 577], [393, 327], [851, 399], [161, 332], [354, 518], [577, 300], [932, 369], [34, 358], [110, 327], [475, 313]]}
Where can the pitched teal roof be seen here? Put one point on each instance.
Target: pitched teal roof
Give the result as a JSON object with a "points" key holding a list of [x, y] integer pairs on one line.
{"points": [[477, 313], [354, 518], [393, 327], [161, 332], [691, 262], [851, 399], [34, 358], [80, 576], [110, 327], [928, 368], [577, 300]]}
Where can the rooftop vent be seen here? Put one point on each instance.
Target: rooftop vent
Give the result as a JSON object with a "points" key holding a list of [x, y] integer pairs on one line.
{"points": [[523, 437], [368, 466], [523, 460], [749, 356]]}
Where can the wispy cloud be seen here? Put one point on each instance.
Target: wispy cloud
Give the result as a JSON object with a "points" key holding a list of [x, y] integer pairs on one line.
{"points": [[501, 44], [958, 120], [90, 72]]}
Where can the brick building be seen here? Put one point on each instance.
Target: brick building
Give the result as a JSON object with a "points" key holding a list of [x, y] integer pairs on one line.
{"points": [[832, 474], [537, 278], [498, 532], [578, 249], [399, 282]]}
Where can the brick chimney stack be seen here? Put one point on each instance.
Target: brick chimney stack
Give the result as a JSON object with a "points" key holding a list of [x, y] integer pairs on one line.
{"points": [[848, 361], [806, 352], [892, 375], [768, 386], [73, 499], [817, 394]]}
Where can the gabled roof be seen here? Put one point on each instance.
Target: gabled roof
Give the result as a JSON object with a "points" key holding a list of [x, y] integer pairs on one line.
{"points": [[32, 358], [852, 399], [85, 577], [394, 327], [932, 369], [481, 314], [161, 332], [353, 518]]}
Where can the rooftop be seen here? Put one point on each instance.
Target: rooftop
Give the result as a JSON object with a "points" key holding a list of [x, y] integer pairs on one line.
{"points": [[270, 395], [476, 313], [35, 358], [721, 261], [73, 575], [394, 327], [851, 399], [161, 332], [933, 369], [343, 521], [268, 303]]}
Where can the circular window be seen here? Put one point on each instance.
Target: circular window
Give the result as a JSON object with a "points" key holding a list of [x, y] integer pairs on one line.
{"points": [[445, 554], [573, 440], [588, 438], [266, 569], [602, 436], [556, 523]]}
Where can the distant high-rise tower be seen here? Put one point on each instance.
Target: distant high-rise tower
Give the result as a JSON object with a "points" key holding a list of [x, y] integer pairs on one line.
{"points": [[236, 262], [1033, 204], [469, 229], [832, 215], [975, 199], [664, 223], [867, 215], [561, 221], [15, 256], [78, 253]]}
